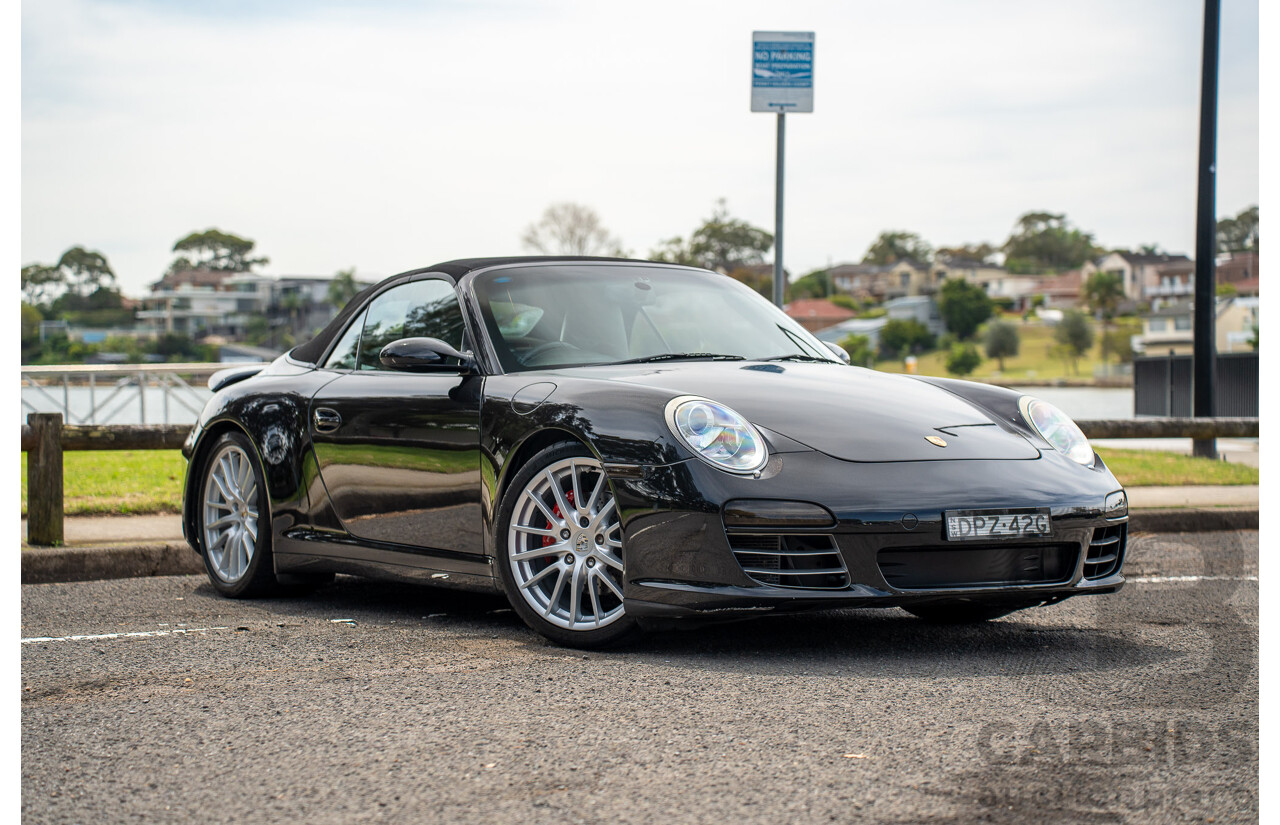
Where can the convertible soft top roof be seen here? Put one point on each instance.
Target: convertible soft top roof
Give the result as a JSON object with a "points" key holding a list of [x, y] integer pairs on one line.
{"points": [[311, 351]]}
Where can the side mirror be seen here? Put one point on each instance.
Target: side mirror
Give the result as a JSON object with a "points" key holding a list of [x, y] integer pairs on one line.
{"points": [[838, 350], [423, 355]]}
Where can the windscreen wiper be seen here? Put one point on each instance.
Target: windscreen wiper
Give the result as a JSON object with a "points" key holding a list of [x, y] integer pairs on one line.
{"points": [[682, 356], [798, 357]]}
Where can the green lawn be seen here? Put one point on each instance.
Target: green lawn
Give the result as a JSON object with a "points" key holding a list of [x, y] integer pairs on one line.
{"points": [[133, 482], [1035, 359], [1151, 468], [127, 482]]}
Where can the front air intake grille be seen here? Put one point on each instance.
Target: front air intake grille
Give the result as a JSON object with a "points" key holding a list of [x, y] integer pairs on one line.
{"points": [[965, 566], [803, 562], [1106, 551]]}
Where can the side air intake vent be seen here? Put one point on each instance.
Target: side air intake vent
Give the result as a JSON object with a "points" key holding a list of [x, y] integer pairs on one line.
{"points": [[1106, 551], [802, 562]]}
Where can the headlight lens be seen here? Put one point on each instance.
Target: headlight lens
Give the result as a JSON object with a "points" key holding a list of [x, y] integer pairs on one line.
{"points": [[717, 434], [1057, 428]]}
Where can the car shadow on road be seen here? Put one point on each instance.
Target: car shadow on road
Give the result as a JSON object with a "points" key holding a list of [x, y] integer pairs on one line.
{"points": [[886, 642]]}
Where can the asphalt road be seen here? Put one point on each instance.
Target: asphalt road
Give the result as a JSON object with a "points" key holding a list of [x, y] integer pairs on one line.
{"points": [[374, 703]]}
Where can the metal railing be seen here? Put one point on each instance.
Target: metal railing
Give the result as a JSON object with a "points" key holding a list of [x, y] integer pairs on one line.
{"points": [[45, 438], [102, 392]]}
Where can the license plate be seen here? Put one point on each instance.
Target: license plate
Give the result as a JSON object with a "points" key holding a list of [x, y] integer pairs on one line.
{"points": [[972, 525]]}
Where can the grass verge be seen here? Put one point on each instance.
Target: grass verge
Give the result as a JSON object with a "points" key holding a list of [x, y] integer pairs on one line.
{"points": [[138, 482], [1151, 468], [118, 482]]}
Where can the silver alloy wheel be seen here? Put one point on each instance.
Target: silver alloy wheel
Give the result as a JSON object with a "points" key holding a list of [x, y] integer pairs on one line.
{"points": [[565, 546], [230, 513]]}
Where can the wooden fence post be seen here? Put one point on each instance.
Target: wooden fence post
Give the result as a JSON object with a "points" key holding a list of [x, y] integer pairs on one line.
{"points": [[44, 480]]}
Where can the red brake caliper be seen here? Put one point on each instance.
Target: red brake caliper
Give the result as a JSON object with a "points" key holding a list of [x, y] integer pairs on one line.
{"points": [[547, 541]]}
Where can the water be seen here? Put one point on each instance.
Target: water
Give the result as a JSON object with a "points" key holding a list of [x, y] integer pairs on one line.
{"points": [[122, 407], [1087, 402]]}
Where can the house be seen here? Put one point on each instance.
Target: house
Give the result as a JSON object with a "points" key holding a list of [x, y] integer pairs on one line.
{"points": [[817, 313], [1061, 291], [884, 281], [1240, 270], [1170, 327], [199, 303], [1163, 274], [920, 308]]}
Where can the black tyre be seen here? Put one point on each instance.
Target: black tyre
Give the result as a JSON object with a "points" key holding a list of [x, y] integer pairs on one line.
{"points": [[559, 548], [234, 518], [961, 612]]}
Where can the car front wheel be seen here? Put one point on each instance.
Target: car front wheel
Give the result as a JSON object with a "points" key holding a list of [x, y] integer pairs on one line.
{"points": [[560, 553], [235, 520]]}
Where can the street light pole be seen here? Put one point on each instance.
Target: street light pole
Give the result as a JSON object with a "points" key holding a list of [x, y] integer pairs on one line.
{"points": [[1204, 381]]}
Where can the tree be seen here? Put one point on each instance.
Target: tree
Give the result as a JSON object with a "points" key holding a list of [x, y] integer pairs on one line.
{"points": [[1227, 291], [1075, 335], [963, 359], [1117, 342], [967, 252], [963, 306], [343, 287], [570, 229], [1239, 234], [41, 284], [723, 244], [859, 349], [1002, 341], [898, 245], [85, 272], [845, 302], [816, 284], [216, 250], [1043, 242], [899, 337], [1103, 292]]}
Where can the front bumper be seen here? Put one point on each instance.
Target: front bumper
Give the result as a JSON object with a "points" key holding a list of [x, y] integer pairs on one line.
{"points": [[884, 527]]}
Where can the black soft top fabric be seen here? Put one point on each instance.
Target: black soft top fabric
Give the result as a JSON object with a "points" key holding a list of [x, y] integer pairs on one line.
{"points": [[313, 350]]}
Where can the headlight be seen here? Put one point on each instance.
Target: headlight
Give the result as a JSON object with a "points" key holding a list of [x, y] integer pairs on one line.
{"points": [[717, 434], [1057, 428]]}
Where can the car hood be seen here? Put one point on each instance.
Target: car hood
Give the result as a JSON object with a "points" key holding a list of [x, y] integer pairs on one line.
{"points": [[849, 413]]}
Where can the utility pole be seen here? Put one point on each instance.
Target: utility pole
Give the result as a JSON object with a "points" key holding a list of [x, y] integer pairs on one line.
{"points": [[1204, 381]]}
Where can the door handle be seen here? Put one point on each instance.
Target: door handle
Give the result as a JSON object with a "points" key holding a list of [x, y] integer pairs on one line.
{"points": [[326, 420]]}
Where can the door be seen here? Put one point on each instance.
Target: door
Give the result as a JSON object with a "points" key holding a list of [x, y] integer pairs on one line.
{"points": [[399, 452]]}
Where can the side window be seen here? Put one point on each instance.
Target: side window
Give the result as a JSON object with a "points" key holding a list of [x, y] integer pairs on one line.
{"points": [[422, 309], [343, 356]]}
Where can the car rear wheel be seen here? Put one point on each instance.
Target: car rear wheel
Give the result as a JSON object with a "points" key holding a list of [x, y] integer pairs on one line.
{"points": [[235, 520], [560, 553], [961, 612]]}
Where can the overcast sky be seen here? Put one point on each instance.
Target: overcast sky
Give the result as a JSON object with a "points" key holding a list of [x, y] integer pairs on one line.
{"points": [[390, 135]]}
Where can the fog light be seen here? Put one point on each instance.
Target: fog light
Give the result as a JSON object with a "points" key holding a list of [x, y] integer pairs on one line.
{"points": [[1117, 505]]}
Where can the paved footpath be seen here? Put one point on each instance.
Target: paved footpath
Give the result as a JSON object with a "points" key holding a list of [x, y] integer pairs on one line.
{"points": [[155, 700]]}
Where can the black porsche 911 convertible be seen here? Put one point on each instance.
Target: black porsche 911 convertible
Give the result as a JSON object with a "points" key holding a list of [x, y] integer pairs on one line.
{"points": [[620, 444]]}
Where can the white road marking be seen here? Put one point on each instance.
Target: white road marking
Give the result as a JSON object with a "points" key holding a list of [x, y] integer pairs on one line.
{"points": [[1166, 579], [140, 634]]}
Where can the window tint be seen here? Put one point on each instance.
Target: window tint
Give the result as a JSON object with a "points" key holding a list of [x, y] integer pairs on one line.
{"points": [[343, 356], [422, 309]]}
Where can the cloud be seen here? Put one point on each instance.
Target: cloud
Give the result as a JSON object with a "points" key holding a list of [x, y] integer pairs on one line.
{"points": [[400, 134]]}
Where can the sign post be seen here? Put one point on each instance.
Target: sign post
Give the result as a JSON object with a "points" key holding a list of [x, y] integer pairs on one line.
{"points": [[781, 82]]}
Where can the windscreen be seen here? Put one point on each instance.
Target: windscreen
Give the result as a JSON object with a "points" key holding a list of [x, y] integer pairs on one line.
{"points": [[572, 315]]}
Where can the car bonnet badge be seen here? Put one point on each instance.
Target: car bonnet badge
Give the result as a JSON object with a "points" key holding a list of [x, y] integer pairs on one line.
{"points": [[935, 440]]}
